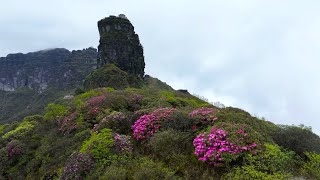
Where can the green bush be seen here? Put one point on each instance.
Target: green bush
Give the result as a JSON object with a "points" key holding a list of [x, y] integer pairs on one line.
{"points": [[54, 111], [311, 168], [143, 168], [168, 143], [22, 130], [250, 173], [273, 159], [99, 146], [299, 139], [107, 76]]}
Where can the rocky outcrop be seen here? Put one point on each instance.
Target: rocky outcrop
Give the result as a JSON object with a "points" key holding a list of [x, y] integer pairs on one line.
{"points": [[58, 68], [120, 45]]}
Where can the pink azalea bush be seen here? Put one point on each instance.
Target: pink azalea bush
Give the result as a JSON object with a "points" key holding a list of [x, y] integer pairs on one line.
{"points": [[78, 166], [205, 115], [68, 124], [224, 144], [122, 143], [14, 148], [148, 124], [96, 101], [110, 121]]}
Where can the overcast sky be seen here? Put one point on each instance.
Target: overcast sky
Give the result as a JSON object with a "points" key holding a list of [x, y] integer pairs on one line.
{"points": [[262, 56]]}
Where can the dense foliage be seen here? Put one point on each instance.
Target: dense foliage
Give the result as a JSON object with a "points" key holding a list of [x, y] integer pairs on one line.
{"points": [[152, 133]]}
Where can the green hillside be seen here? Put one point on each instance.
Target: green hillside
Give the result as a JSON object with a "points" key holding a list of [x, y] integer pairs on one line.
{"points": [[153, 132]]}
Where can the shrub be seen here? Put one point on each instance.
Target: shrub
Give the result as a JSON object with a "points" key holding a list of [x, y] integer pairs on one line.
{"points": [[166, 144], [68, 124], [96, 101], [249, 172], [148, 169], [99, 146], [273, 160], [54, 111], [77, 167], [148, 124], [23, 129], [107, 76], [204, 116], [122, 143], [297, 139], [117, 121], [225, 143], [141, 168], [14, 148], [311, 168]]}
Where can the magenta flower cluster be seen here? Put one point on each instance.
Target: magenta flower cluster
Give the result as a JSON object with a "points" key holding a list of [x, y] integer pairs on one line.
{"points": [[14, 148], [148, 124], [77, 167], [122, 143], [205, 115], [216, 147], [67, 124]]}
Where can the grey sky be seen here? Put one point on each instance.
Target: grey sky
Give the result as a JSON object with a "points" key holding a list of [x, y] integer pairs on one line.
{"points": [[262, 56]]}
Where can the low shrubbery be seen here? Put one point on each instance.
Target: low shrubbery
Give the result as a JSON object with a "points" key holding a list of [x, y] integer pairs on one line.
{"points": [[149, 133]]}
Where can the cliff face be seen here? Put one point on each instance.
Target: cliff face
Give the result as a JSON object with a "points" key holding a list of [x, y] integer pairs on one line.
{"points": [[120, 45], [40, 70]]}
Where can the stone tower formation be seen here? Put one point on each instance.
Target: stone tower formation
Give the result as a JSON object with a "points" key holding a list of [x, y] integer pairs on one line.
{"points": [[120, 45]]}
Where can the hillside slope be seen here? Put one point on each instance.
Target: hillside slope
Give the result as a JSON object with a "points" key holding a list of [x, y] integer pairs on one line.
{"points": [[152, 133]]}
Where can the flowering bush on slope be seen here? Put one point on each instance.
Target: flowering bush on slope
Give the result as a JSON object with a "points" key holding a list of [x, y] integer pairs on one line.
{"points": [[122, 143], [67, 124], [148, 124], [77, 167], [14, 148], [206, 116], [96, 101], [223, 144]]}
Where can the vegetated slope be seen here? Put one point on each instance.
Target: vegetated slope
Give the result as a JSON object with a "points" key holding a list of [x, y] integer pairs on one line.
{"points": [[28, 82], [152, 132]]}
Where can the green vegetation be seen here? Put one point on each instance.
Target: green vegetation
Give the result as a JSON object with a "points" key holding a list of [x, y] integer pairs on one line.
{"points": [[152, 132]]}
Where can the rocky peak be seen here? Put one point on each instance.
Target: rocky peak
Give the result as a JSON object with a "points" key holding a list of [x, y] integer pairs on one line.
{"points": [[120, 45]]}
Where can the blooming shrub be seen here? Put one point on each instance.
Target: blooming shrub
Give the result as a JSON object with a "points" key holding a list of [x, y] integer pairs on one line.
{"points": [[96, 101], [77, 167], [205, 115], [122, 143], [111, 121], [14, 148], [92, 114], [67, 124], [148, 124], [223, 144]]}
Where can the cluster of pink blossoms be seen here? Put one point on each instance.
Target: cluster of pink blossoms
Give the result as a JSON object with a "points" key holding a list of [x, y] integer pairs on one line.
{"points": [[67, 124], [215, 147], [96, 101], [14, 148], [148, 124], [205, 115], [122, 143]]}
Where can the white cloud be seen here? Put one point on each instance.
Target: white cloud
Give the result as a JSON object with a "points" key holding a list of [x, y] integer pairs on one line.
{"points": [[262, 56]]}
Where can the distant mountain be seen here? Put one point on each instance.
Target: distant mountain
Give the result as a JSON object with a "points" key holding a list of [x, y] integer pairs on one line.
{"points": [[30, 81], [58, 68]]}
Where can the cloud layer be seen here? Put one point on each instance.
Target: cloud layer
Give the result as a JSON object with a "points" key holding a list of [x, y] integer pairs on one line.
{"points": [[262, 56]]}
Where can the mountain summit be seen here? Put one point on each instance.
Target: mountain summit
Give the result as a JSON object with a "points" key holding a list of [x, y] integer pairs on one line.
{"points": [[120, 45]]}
